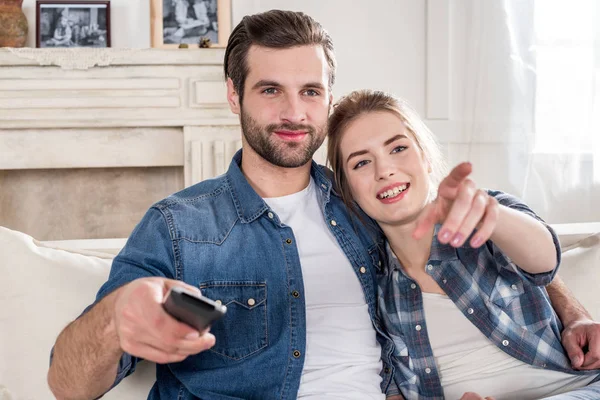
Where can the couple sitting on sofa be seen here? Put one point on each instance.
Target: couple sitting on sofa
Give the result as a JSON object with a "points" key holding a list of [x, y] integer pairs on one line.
{"points": [[388, 278]]}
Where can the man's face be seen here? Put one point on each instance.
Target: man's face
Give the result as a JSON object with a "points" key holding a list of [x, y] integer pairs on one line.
{"points": [[286, 104]]}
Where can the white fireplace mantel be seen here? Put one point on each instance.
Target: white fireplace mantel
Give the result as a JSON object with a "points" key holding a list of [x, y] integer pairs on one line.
{"points": [[47, 88], [82, 108]]}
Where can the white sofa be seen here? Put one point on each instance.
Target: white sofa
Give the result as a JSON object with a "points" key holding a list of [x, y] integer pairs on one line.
{"points": [[44, 288]]}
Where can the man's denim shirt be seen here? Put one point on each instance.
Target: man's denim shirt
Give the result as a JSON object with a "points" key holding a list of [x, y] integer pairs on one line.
{"points": [[221, 237]]}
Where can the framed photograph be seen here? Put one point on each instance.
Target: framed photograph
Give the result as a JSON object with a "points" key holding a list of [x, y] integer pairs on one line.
{"points": [[187, 21], [72, 23]]}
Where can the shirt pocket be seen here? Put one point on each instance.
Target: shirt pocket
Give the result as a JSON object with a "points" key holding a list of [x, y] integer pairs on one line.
{"points": [[506, 289], [243, 330]]}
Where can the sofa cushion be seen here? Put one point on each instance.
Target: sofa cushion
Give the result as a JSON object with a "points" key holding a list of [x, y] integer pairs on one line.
{"points": [[580, 269], [41, 290]]}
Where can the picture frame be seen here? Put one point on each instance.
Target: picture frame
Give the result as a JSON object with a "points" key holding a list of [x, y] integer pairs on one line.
{"points": [[175, 22], [72, 23]]}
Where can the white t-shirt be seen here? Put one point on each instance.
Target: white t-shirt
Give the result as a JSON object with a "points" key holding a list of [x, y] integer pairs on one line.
{"points": [[468, 361], [343, 357]]}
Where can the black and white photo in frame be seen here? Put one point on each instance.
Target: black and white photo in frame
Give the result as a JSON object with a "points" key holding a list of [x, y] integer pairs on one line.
{"points": [[73, 23], [176, 22]]}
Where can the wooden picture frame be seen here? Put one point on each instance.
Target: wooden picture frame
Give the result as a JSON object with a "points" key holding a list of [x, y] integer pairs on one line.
{"points": [[72, 23], [174, 22]]}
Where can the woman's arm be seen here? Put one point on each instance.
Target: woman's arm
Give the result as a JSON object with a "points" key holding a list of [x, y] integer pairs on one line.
{"points": [[525, 240]]}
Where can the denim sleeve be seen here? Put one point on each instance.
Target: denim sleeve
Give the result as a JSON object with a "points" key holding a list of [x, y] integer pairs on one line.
{"points": [[147, 253], [392, 389], [541, 279]]}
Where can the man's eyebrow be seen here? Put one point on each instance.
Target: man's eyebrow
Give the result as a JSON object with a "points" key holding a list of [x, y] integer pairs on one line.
{"points": [[316, 85], [265, 82]]}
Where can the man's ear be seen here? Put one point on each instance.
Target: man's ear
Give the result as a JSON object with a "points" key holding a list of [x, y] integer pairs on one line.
{"points": [[233, 97]]}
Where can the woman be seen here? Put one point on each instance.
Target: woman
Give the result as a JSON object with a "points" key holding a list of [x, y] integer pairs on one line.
{"points": [[463, 293]]}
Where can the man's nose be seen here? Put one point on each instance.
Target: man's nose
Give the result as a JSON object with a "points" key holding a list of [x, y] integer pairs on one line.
{"points": [[293, 110]]}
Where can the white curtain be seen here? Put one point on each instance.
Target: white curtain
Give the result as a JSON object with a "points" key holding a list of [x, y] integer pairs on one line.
{"points": [[532, 102]]}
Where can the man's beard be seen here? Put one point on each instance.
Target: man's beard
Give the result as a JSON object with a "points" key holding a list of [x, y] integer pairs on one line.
{"points": [[282, 154]]}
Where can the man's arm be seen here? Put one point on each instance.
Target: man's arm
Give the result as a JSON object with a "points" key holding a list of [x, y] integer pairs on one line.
{"points": [[581, 335], [86, 354], [132, 320]]}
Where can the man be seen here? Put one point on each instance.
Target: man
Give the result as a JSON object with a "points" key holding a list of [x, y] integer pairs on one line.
{"points": [[270, 239]]}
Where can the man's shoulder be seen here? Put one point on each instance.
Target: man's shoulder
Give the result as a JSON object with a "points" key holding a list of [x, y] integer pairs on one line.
{"points": [[199, 196], [202, 212]]}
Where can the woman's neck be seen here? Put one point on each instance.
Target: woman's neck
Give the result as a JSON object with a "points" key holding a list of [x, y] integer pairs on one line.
{"points": [[412, 253]]}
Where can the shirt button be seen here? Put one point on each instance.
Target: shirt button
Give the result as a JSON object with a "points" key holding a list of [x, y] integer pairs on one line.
{"points": [[296, 354], [296, 294], [324, 186], [270, 214], [429, 267], [333, 223], [219, 302], [470, 311], [418, 327], [444, 280], [362, 270], [427, 370], [413, 286], [379, 263], [288, 241], [251, 302], [505, 342], [514, 287]]}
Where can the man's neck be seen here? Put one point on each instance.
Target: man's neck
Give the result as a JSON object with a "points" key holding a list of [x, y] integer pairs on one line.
{"points": [[269, 180]]}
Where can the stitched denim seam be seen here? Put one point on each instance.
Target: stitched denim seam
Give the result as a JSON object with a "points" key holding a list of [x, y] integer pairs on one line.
{"points": [[168, 202], [213, 241]]}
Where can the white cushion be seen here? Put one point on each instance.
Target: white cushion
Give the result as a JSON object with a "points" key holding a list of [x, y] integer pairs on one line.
{"points": [[580, 269], [41, 290]]}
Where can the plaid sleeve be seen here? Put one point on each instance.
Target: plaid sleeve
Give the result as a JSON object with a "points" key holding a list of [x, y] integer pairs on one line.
{"points": [[541, 279]]}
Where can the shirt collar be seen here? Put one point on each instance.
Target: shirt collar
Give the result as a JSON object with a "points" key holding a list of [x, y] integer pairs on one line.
{"points": [[249, 205]]}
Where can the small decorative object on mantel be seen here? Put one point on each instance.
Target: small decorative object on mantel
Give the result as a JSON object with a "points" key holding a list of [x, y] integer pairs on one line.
{"points": [[188, 21], [73, 23], [13, 24], [183, 45], [204, 43]]}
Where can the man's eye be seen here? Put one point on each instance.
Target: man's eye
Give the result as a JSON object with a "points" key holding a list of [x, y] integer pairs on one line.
{"points": [[270, 91], [361, 164], [311, 92], [399, 149]]}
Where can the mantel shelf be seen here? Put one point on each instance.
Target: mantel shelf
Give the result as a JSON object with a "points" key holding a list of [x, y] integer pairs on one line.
{"points": [[85, 58]]}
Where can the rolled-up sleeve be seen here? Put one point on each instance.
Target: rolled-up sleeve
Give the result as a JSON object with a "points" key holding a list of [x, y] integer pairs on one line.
{"points": [[541, 279]]}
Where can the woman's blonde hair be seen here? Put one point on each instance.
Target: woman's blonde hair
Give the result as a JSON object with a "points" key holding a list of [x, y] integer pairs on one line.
{"points": [[361, 102]]}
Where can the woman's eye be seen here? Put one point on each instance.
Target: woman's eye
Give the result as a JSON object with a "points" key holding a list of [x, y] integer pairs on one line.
{"points": [[360, 164], [399, 149]]}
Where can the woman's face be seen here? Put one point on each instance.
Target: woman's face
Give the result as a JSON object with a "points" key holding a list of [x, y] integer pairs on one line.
{"points": [[385, 168]]}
